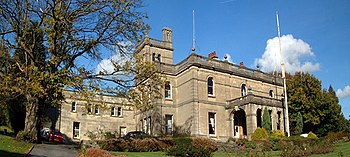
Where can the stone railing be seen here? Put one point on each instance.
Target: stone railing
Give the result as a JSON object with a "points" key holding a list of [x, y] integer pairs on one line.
{"points": [[254, 99]]}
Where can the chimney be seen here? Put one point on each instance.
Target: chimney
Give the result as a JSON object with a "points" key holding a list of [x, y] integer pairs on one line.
{"points": [[241, 64], [212, 55], [167, 34]]}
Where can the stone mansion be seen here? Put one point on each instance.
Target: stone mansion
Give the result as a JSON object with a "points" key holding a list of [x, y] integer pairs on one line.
{"points": [[203, 96]]}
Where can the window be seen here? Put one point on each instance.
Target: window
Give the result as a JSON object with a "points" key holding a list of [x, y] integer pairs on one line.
{"points": [[211, 122], [74, 107], [271, 94], [76, 130], [270, 112], [149, 125], [279, 120], [116, 111], [120, 112], [89, 109], [158, 57], [145, 125], [210, 86], [153, 56], [168, 124], [97, 109], [167, 90], [122, 131], [243, 90]]}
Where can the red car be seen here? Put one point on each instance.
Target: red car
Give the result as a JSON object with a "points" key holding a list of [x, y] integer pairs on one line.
{"points": [[56, 136]]}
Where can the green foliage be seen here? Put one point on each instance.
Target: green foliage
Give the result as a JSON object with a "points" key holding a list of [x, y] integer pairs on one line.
{"points": [[196, 147], [277, 134], [39, 49], [299, 124], [311, 135], [260, 134], [24, 136], [319, 108], [266, 121]]}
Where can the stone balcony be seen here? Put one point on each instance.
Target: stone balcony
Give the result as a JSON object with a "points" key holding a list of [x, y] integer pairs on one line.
{"points": [[254, 99]]}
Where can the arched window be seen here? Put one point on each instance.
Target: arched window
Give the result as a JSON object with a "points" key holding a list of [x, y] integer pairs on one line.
{"points": [[210, 86], [244, 90], [167, 93], [271, 94]]}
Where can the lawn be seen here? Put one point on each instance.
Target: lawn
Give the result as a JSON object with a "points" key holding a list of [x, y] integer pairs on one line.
{"points": [[342, 148], [10, 147]]}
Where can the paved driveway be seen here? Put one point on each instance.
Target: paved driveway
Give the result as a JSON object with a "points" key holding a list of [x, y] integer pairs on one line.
{"points": [[54, 150]]}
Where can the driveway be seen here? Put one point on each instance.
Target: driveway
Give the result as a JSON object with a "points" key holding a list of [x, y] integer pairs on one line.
{"points": [[54, 150]]}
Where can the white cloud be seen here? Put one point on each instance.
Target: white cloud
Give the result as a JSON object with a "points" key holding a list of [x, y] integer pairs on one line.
{"points": [[343, 93], [296, 55], [108, 65], [229, 58]]}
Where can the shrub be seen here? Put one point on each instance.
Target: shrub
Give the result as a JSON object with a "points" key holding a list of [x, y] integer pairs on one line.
{"points": [[196, 147], [95, 152], [311, 135], [337, 136], [137, 145], [241, 142], [260, 134], [24, 136], [204, 144], [277, 134]]}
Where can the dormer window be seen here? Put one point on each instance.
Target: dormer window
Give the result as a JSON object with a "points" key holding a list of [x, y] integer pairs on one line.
{"points": [[210, 86], [243, 90]]}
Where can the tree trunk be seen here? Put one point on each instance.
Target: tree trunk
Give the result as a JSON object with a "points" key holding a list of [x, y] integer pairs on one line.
{"points": [[31, 119]]}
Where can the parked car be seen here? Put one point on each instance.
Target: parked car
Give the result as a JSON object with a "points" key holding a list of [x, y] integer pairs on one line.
{"points": [[56, 136], [135, 135], [51, 135]]}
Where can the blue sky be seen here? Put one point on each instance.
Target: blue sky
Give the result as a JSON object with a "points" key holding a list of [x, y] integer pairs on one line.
{"points": [[315, 34]]}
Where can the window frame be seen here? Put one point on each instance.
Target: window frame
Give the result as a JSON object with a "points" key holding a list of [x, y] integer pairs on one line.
{"points": [[168, 92], [74, 107], [210, 123], [244, 91], [210, 86], [74, 130], [97, 110]]}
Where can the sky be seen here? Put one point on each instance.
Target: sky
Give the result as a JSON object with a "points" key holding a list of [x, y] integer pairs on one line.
{"points": [[314, 35]]}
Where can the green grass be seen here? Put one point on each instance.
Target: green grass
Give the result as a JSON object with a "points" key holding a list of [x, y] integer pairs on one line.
{"points": [[343, 148], [10, 147]]}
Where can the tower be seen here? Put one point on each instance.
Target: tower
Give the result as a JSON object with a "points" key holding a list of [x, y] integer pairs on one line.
{"points": [[155, 50]]}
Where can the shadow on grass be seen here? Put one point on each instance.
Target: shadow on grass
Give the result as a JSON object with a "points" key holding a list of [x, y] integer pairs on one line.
{"points": [[9, 154]]}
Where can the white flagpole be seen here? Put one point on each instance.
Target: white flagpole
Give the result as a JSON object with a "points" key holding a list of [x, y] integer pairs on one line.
{"points": [[284, 80]]}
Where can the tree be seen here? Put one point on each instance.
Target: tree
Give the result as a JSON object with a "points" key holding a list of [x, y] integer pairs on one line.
{"points": [[299, 124], [47, 39], [320, 109], [266, 121]]}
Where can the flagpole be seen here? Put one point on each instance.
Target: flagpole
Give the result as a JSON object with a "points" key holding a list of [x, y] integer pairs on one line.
{"points": [[284, 80]]}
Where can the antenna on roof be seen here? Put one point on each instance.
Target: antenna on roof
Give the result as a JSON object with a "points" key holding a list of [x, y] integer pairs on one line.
{"points": [[193, 35], [284, 79]]}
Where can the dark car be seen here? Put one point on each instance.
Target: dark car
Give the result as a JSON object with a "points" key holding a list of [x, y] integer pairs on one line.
{"points": [[135, 135]]}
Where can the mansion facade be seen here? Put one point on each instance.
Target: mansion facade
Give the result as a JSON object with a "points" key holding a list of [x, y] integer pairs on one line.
{"points": [[203, 96]]}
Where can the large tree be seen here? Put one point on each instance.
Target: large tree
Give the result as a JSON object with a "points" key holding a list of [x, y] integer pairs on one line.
{"points": [[48, 41], [320, 109]]}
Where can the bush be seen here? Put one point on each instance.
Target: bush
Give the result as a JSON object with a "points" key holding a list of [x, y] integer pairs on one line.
{"points": [[337, 136], [260, 134], [196, 147], [204, 144], [277, 134], [311, 135], [95, 152], [137, 145], [24, 136]]}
